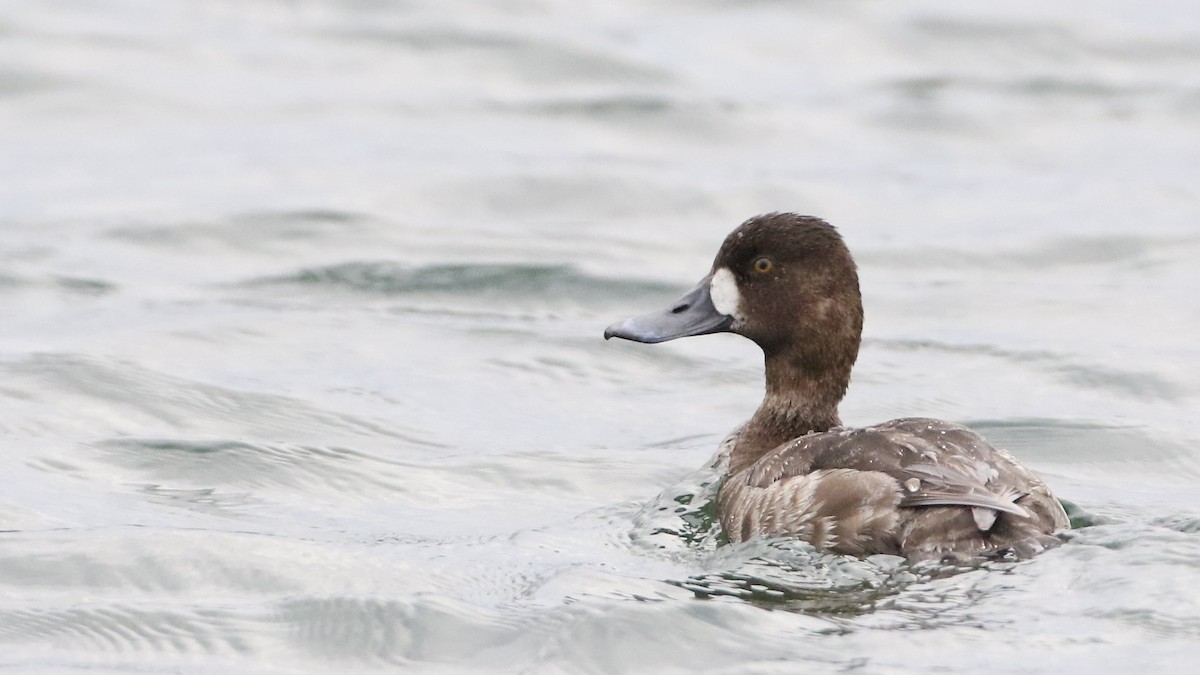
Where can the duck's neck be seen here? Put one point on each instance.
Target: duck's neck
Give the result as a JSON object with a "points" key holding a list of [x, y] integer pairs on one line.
{"points": [[799, 400]]}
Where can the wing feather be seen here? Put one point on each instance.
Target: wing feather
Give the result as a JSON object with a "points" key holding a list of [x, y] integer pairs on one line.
{"points": [[867, 476]]}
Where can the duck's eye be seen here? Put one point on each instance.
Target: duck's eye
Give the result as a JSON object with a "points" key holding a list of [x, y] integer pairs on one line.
{"points": [[763, 265]]}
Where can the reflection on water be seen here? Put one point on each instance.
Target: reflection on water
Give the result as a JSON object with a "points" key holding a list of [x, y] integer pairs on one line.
{"points": [[302, 368]]}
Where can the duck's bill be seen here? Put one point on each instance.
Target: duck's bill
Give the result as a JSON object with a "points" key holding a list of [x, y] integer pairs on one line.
{"points": [[693, 314]]}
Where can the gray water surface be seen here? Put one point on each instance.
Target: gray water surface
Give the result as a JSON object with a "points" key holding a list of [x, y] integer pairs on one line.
{"points": [[301, 365]]}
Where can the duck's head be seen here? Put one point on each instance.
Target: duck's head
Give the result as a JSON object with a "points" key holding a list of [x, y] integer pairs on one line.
{"points": [[783, 280]]}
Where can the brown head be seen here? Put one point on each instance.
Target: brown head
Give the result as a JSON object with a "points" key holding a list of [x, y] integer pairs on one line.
{"points": [[788, 283]]}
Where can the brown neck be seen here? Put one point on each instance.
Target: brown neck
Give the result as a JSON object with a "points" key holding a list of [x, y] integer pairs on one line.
{"points": [[798, 401]]}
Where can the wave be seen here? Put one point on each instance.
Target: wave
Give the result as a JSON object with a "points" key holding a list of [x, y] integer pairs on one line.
{"points": [[479, 279]]}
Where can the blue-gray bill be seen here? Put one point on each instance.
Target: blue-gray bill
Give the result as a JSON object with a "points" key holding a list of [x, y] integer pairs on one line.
{"points": [[692, 314]]}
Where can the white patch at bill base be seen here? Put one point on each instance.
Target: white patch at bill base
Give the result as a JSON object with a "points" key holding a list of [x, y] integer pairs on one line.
{"points": [[724, 291]]}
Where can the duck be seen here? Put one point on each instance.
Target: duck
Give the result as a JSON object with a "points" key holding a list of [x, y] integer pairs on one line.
{"points": [[920, 488]]}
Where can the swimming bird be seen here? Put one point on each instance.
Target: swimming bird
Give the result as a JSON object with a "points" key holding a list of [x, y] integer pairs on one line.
{"points": [[921, 488]]}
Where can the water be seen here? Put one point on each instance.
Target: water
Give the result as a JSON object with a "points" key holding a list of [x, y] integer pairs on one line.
{"points": [[301, 367]]}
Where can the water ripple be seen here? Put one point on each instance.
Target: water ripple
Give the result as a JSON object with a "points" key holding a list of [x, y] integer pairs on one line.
{"points": [[397, 631], [1127, 382], [476, 280], [124, 628], [113, 394], [525, 56], [243, 466]]}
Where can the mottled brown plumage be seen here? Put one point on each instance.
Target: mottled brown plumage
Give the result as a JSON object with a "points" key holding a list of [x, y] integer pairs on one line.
{"points": [[920, 488]]}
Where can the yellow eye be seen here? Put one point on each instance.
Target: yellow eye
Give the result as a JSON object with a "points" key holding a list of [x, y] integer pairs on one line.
{"points": [[763, 265]]}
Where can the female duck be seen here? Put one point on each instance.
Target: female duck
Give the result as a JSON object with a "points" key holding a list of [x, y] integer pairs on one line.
{"points": [[920, 488]]}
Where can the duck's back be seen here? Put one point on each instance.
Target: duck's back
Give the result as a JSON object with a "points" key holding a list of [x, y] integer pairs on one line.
{"points": [[920, 488]]}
